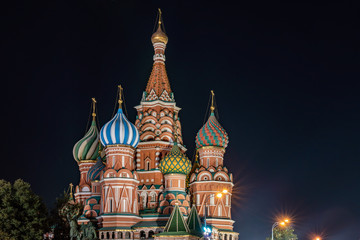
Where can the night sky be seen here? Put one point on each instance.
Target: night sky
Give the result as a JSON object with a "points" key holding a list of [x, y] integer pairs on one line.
{"points": [[286, 78]]}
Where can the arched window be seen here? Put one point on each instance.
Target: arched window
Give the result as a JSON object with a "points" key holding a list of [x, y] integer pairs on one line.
{"points": [[119, 234], [153, 196], [111, 205], [107, 235], [113, 235], [102, 235], [142, 235], [151, 234], [225, 237], [230, 237], [147, 165], [127, 235], [144, 199]]}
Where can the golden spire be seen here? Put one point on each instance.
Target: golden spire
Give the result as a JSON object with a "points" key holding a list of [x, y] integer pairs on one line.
{"points": [[159, 16], [120, 96], [212, 108], [93, 107], [159, 35]]}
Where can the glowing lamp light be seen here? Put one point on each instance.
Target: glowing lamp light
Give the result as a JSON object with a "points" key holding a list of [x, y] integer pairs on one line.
{"points": [[219, 195], [318, 238], [282, 223], [225, 191], [286, 220], [207, 231]]}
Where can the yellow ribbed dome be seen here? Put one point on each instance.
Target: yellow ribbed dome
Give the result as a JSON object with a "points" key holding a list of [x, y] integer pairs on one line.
{"points": [[159, 36]]}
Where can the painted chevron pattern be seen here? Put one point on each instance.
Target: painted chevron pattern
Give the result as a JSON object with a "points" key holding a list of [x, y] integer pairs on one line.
{"points": [[212, 134]]}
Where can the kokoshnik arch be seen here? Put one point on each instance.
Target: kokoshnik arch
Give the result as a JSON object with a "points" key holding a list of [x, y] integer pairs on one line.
{"points": [[135, 179]]}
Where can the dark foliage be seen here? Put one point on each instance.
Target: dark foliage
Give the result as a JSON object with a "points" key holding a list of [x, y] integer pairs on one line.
{"points": [[23, 215]]}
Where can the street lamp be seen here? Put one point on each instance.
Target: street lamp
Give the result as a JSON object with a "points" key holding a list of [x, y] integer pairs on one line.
{"points": [[218, 195], [317, 238], [283, 223]]}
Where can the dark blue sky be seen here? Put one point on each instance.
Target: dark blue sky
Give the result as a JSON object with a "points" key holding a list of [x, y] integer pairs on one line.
{"points": [[285, 74]]}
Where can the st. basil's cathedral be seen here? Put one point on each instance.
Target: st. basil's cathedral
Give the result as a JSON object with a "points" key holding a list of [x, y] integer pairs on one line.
{"points": [[136, 181]]}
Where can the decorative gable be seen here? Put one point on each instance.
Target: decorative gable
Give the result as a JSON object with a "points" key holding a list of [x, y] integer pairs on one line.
{"points": [[165, 96], [152, 96]]}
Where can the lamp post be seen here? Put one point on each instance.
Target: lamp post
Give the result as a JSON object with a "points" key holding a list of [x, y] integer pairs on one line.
{"points": [[277, 224], [219, 195]]}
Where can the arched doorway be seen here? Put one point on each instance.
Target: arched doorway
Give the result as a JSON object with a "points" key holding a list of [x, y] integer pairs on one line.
{"points": [[151, 234], [142, 235]]}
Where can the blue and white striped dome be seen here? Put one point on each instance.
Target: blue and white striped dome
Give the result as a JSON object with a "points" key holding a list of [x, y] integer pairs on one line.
{"points": [[119, 130]]}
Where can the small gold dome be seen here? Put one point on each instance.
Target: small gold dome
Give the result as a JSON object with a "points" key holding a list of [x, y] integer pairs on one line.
{"points": [[159, 36]]}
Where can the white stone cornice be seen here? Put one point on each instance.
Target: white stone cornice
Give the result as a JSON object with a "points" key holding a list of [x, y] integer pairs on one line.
{"points": [[157, 103], [207, 182], [141, 144]]}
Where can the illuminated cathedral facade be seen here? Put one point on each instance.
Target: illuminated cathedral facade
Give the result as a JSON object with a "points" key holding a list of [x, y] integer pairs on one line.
{"points": [[135, 179]]}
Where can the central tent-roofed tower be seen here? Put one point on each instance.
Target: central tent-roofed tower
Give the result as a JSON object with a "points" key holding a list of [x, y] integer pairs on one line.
{"points": [[157, 120]]}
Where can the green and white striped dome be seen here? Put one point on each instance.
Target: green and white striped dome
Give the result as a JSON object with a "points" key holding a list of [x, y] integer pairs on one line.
{"points": [[88, 147]]}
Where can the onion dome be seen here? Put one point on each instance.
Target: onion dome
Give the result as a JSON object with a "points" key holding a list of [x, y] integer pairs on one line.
{"points": [[212, 133], [119, 130], [159, 36], [88, 147], [175, 162], [95, 170]]}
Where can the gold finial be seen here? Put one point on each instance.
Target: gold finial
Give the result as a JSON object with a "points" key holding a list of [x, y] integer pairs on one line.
{"points": [[71, 190], [212, 108], [159, 36], [93, 105], [120, 96], [159, 16]]}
